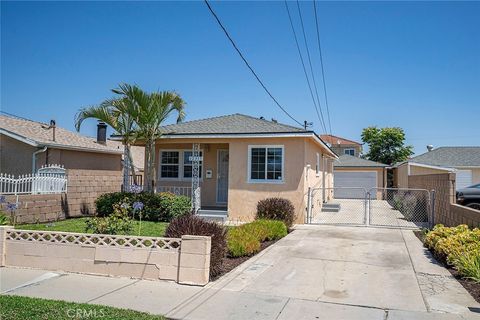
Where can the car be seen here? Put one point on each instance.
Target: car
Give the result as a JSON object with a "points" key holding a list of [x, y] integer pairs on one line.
{"points": [[469, 196]]}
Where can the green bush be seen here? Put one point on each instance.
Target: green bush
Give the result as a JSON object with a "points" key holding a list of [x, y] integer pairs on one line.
{"points": [[162, 206], [4, 219], [457, 246], [242, 243], [118, 222], [276, 209], [245, 240]]}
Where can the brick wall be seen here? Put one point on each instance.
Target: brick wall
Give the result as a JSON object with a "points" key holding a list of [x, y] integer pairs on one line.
{"points": [[84, 186], [34, 208], [446, 211]]}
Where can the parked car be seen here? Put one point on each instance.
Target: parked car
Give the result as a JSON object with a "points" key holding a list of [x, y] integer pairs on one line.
{"points": [[469, 196]]}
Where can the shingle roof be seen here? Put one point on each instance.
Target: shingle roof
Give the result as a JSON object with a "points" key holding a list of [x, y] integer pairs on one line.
{"points": [[229, 124], [450, 157], [335, 140], [347, 160], [34, 132]]}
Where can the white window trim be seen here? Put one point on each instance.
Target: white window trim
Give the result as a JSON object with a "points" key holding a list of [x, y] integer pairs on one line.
{"points": [[180, 165], [249, 165], [349, 149]]}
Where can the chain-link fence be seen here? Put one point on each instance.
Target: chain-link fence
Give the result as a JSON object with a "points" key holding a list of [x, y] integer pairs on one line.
{"points": [[407, 208], [399, 207]]}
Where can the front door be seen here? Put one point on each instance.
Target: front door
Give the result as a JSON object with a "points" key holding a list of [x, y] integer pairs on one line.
{"points": [[222, 176]]}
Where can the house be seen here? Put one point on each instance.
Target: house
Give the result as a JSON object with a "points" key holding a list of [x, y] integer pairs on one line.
{"points": [[354, 172], [93, 165], [463, 161], [243, 160], [342, 146]]}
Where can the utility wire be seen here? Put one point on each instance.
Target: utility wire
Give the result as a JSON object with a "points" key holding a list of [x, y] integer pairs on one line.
{"points": [[248, 65], [322, 124], [310, 63], [321, 64]]}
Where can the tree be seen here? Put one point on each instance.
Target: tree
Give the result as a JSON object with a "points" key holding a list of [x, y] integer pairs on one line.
{"points": [[137, 115], [386, 145], [119, 114]]}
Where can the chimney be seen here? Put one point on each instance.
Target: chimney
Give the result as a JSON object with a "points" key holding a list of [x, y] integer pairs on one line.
{"points": [[53, 125], [429, 147], [101, 132]]}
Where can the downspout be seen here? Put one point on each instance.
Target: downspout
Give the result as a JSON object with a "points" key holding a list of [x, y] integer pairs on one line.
{"points": [[34, 158]]}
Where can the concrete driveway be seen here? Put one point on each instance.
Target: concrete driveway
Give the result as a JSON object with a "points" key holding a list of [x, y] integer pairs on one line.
{"points": [[316, 272]]}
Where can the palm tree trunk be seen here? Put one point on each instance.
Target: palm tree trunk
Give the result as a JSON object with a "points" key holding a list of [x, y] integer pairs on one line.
{"points": [[132, 166], [150, 170], [126, 168]]}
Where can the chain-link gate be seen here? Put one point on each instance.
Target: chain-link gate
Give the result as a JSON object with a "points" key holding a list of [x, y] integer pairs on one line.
{"points": [[399, 207], [404, 208]]}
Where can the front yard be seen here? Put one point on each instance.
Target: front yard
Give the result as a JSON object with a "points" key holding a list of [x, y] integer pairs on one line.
{"points": [[16, 308], [147, 228]]}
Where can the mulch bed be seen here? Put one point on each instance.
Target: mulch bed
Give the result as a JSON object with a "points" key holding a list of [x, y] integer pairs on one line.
{"points": [[471, 286], [231, 263]]}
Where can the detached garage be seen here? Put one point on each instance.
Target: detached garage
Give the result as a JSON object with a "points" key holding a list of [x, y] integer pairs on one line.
{"points": [[352, 176]]}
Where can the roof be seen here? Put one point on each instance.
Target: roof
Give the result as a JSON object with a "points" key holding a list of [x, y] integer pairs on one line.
{"points": [[35, 134], [450, 157], [229, 124], [348, 161], [335, 140]]}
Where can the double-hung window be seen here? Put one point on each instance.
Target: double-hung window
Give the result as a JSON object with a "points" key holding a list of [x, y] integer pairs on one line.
{"points": [[187, 164], [170, 164], [266, 163]]}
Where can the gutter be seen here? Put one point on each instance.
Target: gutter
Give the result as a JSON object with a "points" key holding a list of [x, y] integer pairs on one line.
{"points": [[34, 158]]}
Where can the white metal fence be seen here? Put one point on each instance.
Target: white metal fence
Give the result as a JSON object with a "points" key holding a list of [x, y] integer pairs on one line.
{"points": [[33, 183], [179, 191]]}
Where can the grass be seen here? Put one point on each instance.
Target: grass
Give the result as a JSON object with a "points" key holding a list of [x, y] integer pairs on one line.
{"points": [[148, 228], [19, 308]]}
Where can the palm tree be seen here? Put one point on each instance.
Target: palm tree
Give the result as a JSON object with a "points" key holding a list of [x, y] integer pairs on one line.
{"points": [[120, 114], [137, 115]]}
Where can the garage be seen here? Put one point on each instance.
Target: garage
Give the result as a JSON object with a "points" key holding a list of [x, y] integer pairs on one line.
{"points": [[463, 179], [353, 176]]}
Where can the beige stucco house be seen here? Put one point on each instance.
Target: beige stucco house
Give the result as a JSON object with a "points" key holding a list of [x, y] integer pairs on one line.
{"points": [[342, 146], [463, 161], [244, 160]]}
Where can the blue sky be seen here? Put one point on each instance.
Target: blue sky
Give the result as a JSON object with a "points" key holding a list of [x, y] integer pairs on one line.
{"points": [[410, 64]]}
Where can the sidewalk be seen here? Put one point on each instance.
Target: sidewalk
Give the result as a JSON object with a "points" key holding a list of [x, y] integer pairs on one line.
{"points": [[289, 280]]}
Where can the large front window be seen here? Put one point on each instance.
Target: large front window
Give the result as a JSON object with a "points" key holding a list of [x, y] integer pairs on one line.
{"points": [[187, 164], [266, 163]]}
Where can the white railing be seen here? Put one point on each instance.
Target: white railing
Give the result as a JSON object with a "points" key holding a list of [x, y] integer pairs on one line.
{"points": [[33, 183], [179, 191]]}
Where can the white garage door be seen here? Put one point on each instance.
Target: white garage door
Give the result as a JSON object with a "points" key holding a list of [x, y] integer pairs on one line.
{"points": [[354, 179], [463, 179]]}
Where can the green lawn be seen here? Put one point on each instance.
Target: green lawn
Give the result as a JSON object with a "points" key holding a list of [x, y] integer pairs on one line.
{"points": [[20, 308], [148, 228]]}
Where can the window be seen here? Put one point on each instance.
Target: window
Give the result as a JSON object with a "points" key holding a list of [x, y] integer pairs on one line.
{"points": [[350, 152], [266, 163], [317, 165], [169, 167], [187, 165], [177, 164]]}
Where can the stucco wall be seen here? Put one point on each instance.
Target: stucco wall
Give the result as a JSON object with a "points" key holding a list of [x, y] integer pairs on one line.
{"points": [[80, 160], [401, 176], [15, 156]]}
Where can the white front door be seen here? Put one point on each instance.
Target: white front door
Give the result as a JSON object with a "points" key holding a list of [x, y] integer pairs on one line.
{"points": [[222, 176]]}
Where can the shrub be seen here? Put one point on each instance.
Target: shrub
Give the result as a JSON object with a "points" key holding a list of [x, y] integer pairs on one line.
{"points": [[162, 206], [194, 225], [241, 242], [468, 264], [276, 209], [266, 230], [4, 219], [118, 222], [439, 232]]}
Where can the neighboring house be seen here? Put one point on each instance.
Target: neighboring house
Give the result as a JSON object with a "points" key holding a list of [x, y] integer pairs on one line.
{"points": [[342, 146], [244, 160], [463, 161], [353, 172]]}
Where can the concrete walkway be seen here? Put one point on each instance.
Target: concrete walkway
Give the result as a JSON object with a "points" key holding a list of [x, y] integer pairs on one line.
{"points": [[316, 272]]}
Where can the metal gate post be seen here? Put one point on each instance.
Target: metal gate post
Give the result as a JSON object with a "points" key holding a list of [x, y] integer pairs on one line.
{"points": [[309, 205], [432, 208]]}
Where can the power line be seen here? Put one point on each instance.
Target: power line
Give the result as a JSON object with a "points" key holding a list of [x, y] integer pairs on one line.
{"points": [[248, 65], [310, 63], [321, 64], [322, 124]]}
